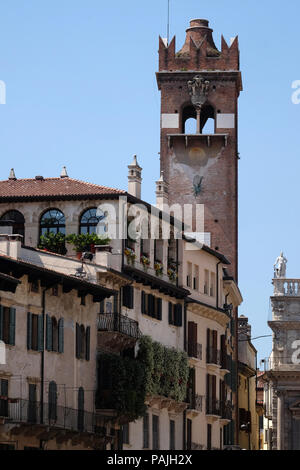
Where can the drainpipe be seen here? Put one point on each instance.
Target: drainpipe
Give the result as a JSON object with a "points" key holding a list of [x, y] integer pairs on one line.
{"points": [[43, 354]]}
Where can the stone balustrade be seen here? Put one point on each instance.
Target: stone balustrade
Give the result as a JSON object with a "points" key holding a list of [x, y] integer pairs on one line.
{"points": [[288, 287]]}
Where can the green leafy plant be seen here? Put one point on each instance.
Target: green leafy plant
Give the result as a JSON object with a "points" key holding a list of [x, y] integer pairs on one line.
{"points": [[145, 261], [158, 268], [54, 242], [86, 241], [130, 255]]}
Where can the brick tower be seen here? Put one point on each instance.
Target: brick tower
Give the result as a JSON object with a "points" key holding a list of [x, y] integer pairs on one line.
{"points": [[202, 83]]}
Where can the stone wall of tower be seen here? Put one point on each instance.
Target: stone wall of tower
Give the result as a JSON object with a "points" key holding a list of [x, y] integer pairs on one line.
{"points": [[214, 160]]}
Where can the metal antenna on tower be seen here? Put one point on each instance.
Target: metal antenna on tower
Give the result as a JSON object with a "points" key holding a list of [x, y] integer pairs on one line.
{"points": [[168, 26]]}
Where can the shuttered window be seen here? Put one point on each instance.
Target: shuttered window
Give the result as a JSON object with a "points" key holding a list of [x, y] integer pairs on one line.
{"points": [[7, 325], [151, 306], [82, 340], [61, 335], [128, 297], [175, 314], [35, 332], [192, 339], [209, 437], [3, 397]]}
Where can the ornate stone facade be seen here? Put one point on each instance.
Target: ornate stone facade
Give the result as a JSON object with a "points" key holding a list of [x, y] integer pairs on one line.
{"points": [[282, 376]]}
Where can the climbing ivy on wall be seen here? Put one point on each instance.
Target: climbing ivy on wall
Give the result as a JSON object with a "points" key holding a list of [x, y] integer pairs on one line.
{"points": [[124, 383]]}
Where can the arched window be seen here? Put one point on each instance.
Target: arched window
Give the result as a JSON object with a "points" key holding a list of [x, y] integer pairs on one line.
{"points": [[17, 221], [52, 401], [52, 221], [80, 408], [207, 119], [189, 120], [89, 221]]}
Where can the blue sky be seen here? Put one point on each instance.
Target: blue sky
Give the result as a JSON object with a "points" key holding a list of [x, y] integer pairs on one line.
{"points": [[81, 92]]}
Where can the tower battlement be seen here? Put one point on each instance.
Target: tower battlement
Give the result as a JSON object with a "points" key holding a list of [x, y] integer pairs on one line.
{"points": [[199, 51]]}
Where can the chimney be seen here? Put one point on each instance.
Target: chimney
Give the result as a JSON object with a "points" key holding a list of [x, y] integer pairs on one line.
{"points": [[162, 192], [200, 31], [135, 178], [12, 175], [64, 173]]}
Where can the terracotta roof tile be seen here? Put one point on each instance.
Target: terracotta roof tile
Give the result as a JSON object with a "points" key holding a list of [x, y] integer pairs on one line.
{"points": [[52, 188]]}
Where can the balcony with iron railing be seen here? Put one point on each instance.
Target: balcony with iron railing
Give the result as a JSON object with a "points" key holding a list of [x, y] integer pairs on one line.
{"points": [[195, 403], [213, 357], [195, 350], [49, 415], [213, 407], [117, 332], [226, 410]]}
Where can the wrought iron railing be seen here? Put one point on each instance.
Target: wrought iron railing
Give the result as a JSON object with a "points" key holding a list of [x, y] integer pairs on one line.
{"points": [[195, 350], [119, 323], [213, 356], [226, 410], [51, 415], [195, 401], [213, 407]]}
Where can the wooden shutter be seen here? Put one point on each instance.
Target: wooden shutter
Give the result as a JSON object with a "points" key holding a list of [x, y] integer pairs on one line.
{"points": [[178, 315], [208, 345], [12, 326], [151, 305], [195, 339], [40, 333], [102, 306], [1, 323], [61, 335], [29, 330], [48, 333], [223, 352], [208, 394], [170, 313], [159, 309], [87, 339]]}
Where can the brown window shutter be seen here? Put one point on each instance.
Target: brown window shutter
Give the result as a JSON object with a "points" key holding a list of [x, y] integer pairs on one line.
{"points": [[195, 339]]}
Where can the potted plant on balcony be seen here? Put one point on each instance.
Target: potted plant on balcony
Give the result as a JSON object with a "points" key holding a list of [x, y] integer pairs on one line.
{"points": [[158, 268], [86, 242], [130, 255], [172, 273], [54, 242], [145, 261]]}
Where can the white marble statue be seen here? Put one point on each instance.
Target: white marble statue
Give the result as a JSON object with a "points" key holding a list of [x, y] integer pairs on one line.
{"points": [[280, 266]]}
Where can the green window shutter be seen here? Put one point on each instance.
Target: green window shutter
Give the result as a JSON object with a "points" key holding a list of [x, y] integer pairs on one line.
{"points": [[178, 315], [40, 333], [88, 339], [48, 333], [4, 387], [12, 326], [61, 335], [159, 309], [29, 330], [102, 306], [1, 322], [131, 298]]}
